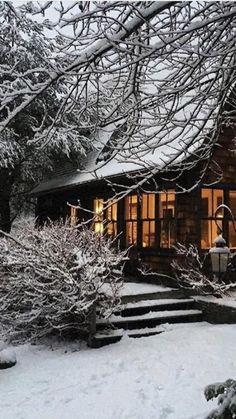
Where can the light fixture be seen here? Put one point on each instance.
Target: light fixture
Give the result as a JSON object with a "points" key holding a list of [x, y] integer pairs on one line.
{"points": [[219, 256]]}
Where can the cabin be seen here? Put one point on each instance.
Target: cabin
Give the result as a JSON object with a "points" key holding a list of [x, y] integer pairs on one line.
{"points": [[172, 205]]}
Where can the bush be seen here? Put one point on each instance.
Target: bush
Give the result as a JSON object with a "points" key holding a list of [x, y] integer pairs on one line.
{"points": [[190, 272], [52, 279], [226, 393]]}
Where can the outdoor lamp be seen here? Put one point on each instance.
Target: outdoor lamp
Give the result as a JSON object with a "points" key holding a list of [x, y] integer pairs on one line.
{"points": [[219, 256]]}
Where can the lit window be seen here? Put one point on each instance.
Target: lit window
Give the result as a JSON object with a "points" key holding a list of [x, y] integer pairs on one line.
{"points": [[148, 209], [131, 215], [232, 225], [111, 217], [98, 215], [167, 220], [211, 225], [157, 212], [73, 215]]}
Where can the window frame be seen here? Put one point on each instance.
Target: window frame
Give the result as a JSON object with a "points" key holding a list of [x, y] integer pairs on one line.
{"points": [[156, 218], [111, 221], [226, 219], [129, 220], [103, 218]]}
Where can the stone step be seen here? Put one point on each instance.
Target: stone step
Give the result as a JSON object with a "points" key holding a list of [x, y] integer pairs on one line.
{"points": [[147, 309], [142, 307], [115, 335], [154, 292], [151, 319]]}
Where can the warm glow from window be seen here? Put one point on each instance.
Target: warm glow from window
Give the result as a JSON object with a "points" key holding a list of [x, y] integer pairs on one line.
{"points": [[167, 204], [232, 206], [73, 215], [157, 214], [211, 226], [131, 215], [98, 218], [148, 209], [112, 218], [148, 206], [167, 214], [148, 233]]}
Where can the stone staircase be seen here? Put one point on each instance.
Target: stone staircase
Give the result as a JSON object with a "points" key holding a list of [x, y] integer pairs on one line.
{"points": [[146, 310]]}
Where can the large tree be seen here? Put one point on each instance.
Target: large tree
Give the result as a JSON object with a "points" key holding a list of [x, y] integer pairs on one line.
{"points": [[164, 70], [23, 48]]}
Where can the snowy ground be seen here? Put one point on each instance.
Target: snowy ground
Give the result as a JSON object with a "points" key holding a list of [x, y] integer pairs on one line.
{"points": [[134, 288], [159, 377]]}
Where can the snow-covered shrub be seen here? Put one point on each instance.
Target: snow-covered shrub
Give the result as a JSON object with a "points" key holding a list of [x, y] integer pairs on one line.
{"points": [[7, 359], [226, 393], [53, 279], [189, 269]]}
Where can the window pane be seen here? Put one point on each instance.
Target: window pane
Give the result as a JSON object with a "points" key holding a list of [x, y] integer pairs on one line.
{"points": [[232, 235], [152, 234], [131, 233], [134, 207], [148, 234], [131, 207], [131, 213], [98, 227], [112, 211], [206, 202], [98, 209], [232, 202], [73, 215], [217, 201], [211, 199], [151, 205], [162, 204], [109, 213], [167, 233], [171, 204], [98, 218], [209, 232], [145, 234], [167, 204], [144, 210], [205, 234], [148, 206], [148, 214], [112, 229]]}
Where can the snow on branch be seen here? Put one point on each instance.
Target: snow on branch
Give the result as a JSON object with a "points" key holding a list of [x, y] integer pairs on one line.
{"points": [[165, 69], [191, 271], [52, 279], [226, 394]]}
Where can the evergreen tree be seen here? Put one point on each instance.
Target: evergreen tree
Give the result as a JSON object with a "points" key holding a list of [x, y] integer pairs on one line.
{"points": [[38, 136]]}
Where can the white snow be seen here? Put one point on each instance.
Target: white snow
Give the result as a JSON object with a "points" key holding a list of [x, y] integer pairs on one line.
{"points": [[8, 356], [157, 377], [150, 303], [149, 315], [137, 288], [134, 288], [144, 330]]}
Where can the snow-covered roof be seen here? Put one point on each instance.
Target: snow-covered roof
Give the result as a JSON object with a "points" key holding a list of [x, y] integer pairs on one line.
{"points": [[149, 148]]}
